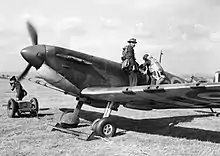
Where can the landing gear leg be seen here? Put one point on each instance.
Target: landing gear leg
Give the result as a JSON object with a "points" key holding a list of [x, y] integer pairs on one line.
{"points": [[105, 127], [71, 119], [101, 128]]}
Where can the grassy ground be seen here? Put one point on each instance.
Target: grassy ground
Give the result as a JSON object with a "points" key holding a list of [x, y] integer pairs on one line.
{"points": [[158, 132]]}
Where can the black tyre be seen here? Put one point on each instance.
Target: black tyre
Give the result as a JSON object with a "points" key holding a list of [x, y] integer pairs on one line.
{"points": [[19, 114], [105, 128], [34, 106], [12, 108]]}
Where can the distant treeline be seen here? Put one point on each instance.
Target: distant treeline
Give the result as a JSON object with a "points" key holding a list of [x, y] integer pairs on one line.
{"points": [[4, 76]]}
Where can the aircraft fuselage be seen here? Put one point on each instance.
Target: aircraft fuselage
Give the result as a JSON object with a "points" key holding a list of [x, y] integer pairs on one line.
{"points": [[73, 71]]}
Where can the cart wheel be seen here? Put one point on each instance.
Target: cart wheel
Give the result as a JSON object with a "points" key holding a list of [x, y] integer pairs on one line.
{"points": [[12, 108], [105, 128], [34, 106], [18, 113]]}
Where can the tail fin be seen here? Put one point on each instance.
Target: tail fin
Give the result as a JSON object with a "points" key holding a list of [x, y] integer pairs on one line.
{"points": [[217, 77]]}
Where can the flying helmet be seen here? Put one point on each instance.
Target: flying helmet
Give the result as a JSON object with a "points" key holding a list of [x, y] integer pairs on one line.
{"points": [[13, 78], [146, 56]]}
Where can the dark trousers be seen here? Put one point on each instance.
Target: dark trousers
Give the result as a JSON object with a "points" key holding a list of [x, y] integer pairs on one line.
{"points": [[21, 94]]}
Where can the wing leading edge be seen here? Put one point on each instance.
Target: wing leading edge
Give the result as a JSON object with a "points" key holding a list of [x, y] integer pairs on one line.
{"points": [[165, 96]]}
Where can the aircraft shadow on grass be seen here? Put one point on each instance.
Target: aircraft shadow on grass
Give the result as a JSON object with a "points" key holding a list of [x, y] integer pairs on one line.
{"points": [[160, 126], [28, 115], [39, 115]]}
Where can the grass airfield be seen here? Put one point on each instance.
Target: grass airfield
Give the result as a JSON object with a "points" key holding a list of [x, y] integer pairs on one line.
{"points": [[158, 132]]}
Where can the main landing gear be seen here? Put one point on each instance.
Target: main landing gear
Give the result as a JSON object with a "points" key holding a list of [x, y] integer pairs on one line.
{"points": [[103, 127], [71, 118], [214, 112]]}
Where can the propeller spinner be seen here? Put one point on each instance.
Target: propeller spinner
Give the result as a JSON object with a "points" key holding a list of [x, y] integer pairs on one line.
{"points": [[34, 54]]}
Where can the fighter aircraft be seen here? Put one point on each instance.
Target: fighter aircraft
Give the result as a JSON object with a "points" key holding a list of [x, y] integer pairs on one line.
{"points": [[102, 83]]}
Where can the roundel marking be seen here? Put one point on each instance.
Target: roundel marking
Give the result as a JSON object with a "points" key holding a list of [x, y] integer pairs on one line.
{"points": [[209, 95], [204, 94]]}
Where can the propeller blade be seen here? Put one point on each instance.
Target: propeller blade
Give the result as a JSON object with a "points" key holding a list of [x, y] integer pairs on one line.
{"points": [[33, 33], [24, 73]]}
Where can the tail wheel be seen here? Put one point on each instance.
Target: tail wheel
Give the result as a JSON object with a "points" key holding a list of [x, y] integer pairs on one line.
{"points": [[34, 106], [12, 108], [105, 128]]}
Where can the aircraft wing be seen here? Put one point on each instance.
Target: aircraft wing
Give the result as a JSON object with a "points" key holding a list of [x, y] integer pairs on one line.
{"points": [[167, 96]]}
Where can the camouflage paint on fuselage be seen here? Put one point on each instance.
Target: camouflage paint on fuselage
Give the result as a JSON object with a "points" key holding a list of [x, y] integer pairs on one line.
{"points": [[97, 72], [85, 70]]}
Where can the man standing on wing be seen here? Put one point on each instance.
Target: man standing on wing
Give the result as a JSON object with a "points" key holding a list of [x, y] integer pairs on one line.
{"points": [[128, 62]]}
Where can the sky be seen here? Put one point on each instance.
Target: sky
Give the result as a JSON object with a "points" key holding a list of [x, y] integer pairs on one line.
{"points": [[187, 31]]}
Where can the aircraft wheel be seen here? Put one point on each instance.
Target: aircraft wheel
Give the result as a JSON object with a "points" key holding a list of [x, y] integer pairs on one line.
{"points": [[105, 128], [12, 108], [34, 106]]}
